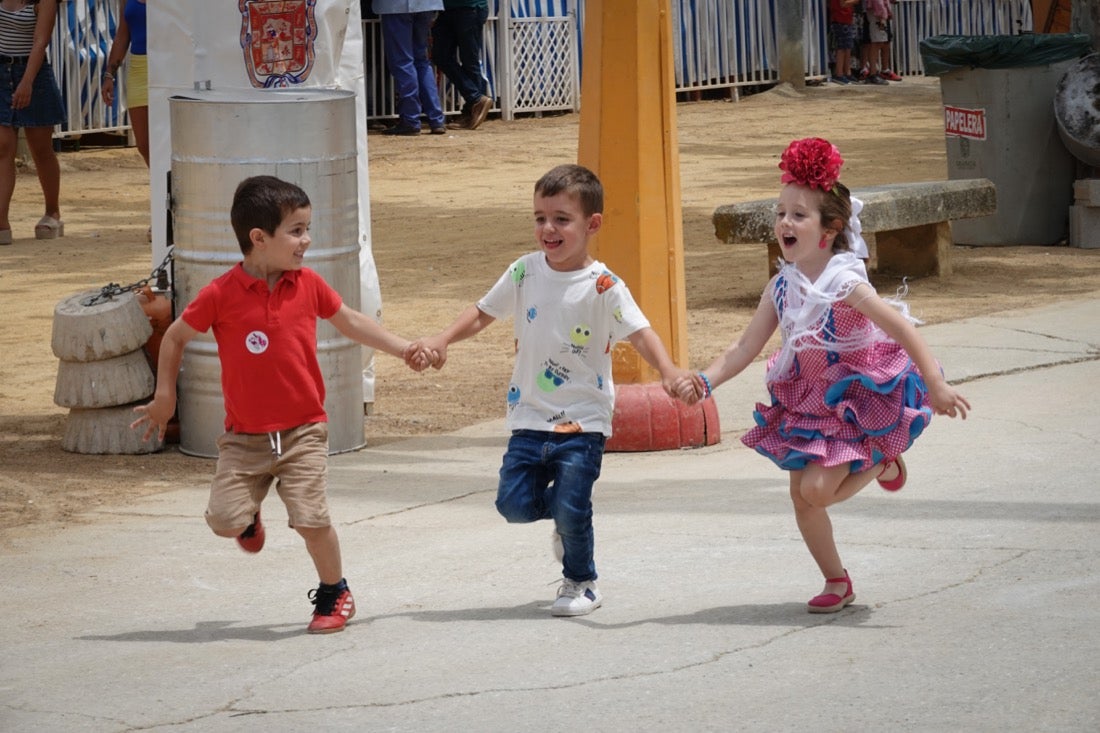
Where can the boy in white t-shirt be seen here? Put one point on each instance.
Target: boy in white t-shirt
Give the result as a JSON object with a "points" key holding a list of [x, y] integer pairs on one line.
{"points": [[568, 310]]}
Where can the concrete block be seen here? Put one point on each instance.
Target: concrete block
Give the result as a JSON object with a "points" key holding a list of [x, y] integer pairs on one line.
{"points": [[1086, 191], [1084, 226], [905, 205], [647, 419], [885, 208], [909, 221], [914, 251]]}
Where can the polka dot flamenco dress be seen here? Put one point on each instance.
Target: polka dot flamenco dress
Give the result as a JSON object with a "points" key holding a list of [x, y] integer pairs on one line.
{"points": [[852, 396]]}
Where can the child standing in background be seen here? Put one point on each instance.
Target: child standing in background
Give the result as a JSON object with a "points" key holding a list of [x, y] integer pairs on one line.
{"points": [[842, 31]]}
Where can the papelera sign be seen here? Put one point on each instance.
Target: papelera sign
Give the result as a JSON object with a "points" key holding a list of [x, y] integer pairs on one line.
{"points": [[962, 122]]}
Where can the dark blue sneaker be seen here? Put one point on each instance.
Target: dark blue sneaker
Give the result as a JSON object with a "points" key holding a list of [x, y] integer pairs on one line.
{"points": [[403, 130]]}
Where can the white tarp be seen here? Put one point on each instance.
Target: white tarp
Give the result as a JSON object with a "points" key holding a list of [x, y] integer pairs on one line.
{"points": [[199, 42]]}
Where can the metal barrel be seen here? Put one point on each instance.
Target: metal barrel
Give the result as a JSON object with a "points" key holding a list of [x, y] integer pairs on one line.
{"points": [[304, 136]]}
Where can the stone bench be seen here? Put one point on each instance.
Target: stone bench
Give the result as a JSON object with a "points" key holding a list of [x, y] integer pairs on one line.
{"points": [[905, 224]]}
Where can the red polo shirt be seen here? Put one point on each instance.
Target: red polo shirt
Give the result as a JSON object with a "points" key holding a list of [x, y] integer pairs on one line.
{"points": [[267, 345]]}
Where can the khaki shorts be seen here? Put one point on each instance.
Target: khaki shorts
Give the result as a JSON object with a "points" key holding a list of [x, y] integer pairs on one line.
{"points": [[247, 468]]}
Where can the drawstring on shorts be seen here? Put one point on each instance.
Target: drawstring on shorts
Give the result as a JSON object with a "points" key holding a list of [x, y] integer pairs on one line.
{"points": [[276, 441]]}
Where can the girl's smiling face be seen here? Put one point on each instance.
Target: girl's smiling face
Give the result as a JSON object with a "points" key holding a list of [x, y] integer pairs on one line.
{"points": [[798, 226]]}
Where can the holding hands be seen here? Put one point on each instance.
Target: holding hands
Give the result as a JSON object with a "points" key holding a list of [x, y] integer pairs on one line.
{"points": [[688, 387], [437, 347], [419, 357]]}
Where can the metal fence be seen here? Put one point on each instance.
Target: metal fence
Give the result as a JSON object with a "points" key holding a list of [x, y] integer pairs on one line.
{"points": [[78, 52], [532, 52], [717, 44], [916, 20], [530, 59]]}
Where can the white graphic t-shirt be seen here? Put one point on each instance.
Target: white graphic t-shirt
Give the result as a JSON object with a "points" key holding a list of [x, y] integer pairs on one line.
{"points": [[565, 326]]}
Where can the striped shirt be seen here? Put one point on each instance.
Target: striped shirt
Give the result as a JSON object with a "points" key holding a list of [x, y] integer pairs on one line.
{"points": [[17, 31]]}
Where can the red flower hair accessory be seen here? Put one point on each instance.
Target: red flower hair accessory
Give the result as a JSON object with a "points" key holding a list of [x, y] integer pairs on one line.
{"points": [[812, 162]]}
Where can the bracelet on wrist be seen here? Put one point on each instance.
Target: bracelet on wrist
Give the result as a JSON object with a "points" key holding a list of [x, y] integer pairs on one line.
{"points": [[108, 75], [706, 383]]}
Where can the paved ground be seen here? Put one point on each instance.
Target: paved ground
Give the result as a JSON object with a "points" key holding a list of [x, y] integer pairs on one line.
{"points": [[978, 587]]}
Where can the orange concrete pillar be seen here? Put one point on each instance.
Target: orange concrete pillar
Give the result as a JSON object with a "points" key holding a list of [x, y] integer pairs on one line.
{"points": [[628, 138]]}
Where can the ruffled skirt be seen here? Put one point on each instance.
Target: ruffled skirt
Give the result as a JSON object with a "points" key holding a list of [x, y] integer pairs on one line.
{"points": [[843, 414]]}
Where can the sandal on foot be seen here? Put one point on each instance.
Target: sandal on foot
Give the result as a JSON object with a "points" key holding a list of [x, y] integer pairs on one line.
{"points": [[893, 484], [49, 228], [5, 236], [831, 602]]}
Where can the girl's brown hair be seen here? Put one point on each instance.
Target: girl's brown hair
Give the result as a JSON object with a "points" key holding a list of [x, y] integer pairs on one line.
{"points": [[836, 210]]}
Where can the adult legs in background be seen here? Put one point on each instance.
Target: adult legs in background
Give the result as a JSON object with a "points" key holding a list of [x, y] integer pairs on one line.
{"points": [[425, 74], [397, 42], [40, 142], [139, 123], [8, 143], [456, 50]]}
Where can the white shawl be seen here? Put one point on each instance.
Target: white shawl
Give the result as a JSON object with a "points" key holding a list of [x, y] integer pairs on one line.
{"points": [[804, 321]]}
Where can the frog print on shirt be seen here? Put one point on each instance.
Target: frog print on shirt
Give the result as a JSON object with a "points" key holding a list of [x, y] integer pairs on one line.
{"points": [[552, 376]]}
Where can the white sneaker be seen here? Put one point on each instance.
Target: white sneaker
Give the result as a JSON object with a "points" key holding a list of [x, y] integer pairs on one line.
{"points": [[557, 547], [576, 599]]}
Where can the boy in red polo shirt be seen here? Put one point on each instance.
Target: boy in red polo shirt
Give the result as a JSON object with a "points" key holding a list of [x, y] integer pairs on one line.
{"points": [[264, 314]]}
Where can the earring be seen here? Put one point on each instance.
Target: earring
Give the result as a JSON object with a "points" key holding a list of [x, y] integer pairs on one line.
{"points": [[823, 243]]}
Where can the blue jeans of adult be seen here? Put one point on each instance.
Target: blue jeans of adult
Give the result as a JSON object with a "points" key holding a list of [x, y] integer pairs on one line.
{"points": [[405, 40], [456, 49], [548, 475]]}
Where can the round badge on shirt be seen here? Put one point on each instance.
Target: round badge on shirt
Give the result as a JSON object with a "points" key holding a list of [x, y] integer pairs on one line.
{"points": [[256, 342]]}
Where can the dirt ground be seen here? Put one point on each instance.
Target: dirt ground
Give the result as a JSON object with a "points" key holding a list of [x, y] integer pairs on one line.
{"points": [[449, 213]]}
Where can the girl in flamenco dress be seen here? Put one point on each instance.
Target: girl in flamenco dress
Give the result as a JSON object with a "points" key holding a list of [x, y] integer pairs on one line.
{"points": [[853, 384]]}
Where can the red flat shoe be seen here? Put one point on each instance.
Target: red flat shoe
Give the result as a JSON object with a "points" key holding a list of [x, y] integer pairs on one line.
{"points": [[831, 602], [893, 484]]}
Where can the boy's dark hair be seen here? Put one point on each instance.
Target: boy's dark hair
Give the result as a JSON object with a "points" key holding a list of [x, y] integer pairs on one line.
{"points": [[837, 205], [577, 181], [263, 201]]}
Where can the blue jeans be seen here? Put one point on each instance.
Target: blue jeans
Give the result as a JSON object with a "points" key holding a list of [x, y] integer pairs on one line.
{"points": [[405, 40], [549, 475], [456, 50]]}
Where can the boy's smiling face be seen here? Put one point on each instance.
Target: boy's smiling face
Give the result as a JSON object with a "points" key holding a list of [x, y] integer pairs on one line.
{"points": [[562, 231], [285, 249]]}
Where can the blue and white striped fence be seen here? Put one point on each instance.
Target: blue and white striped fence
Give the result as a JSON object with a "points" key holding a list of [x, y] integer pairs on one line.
{"points": [[916, 20], [78, 52], [532, 51]]}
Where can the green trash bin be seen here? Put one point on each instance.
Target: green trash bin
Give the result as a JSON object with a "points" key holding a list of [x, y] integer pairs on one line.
{"points": [[998, 103]]}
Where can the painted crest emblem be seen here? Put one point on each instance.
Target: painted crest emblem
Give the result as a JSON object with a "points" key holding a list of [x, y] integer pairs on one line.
{"points": [[277, 38]]}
